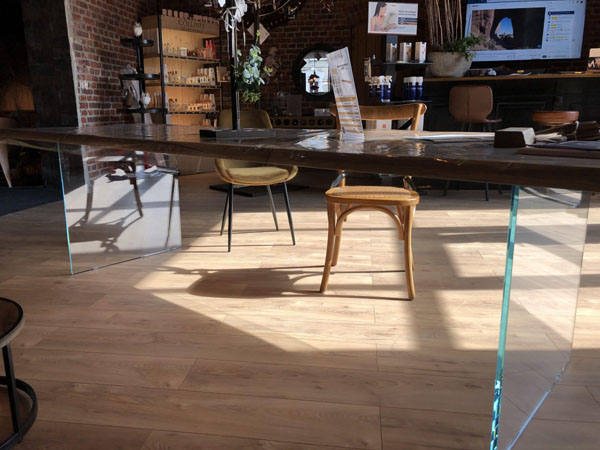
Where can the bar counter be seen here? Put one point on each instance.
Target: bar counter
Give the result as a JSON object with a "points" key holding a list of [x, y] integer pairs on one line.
{"points": [[381, 152]]}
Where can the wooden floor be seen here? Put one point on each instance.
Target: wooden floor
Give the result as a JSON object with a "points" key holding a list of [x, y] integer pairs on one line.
{"points": [[201, 349]]}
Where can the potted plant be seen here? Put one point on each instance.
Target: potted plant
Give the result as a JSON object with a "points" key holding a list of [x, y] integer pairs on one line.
{"points": [[452, 53]]}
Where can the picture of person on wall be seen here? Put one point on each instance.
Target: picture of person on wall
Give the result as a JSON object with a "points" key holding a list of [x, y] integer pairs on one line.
{"points": [[381, 22], [393, 18]]}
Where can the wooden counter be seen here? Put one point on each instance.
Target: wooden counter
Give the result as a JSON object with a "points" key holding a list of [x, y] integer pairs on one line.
{"points": [[382, 152], [545, 76], [516, 97]]}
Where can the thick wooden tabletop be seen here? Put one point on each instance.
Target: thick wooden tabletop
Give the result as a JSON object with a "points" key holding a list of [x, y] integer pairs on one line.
{"points": [[391, 152]]}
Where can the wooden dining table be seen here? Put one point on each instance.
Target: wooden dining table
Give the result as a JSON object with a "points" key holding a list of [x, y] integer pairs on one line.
{"points": [[553, 190]]}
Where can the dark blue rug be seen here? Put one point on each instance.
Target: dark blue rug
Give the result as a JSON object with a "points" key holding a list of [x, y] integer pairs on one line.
{"points": [[20, 198]]}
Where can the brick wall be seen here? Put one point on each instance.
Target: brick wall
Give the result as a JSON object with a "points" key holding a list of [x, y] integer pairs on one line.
{"points": [[95, 29], [97, 25], [313, 25]]}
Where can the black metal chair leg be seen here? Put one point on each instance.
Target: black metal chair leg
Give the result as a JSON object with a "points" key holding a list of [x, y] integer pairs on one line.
{"points": [[230, 219], [446, 187], [487, 192], [289, 212], [224, 213], [273, 208], [11, 386]]}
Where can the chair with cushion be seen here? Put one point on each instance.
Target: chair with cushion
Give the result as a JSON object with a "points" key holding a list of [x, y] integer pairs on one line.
{"points": [[243, 173], [471, 105], [398, 203]]}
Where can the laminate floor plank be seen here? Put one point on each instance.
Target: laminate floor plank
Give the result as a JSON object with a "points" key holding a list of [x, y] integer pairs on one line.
{"points": [[100, 368], [165, 440], [424, 430], [340, 386], [51, 435], [272, 349], [237, 416]]}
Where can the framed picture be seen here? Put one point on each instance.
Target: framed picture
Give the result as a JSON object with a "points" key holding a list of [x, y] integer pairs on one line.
{"points": [[594, 60], [393, 18]]}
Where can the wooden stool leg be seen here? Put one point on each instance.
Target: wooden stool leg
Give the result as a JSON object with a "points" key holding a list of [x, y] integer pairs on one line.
{"points": [[331, 219], [408, 256], [338, 235]]}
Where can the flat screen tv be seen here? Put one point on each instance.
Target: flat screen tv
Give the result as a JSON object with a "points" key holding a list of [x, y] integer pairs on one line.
{"points": [[523, 30]]}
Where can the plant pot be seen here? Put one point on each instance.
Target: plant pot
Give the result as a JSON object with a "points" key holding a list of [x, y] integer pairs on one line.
{"points": [[449, 64]]}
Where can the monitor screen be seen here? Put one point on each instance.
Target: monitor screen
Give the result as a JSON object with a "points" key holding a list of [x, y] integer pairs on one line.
{"points": [[525, 29]]}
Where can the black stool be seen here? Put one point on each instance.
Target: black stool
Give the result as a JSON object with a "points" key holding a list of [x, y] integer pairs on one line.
{"points": [[11, 323]]}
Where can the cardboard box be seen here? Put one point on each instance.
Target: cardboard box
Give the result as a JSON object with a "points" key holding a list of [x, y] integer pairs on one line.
{"points": [[420, 52], [405, 52]]}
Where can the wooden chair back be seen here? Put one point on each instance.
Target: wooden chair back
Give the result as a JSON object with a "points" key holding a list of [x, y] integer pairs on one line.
{"points": [[412, 111], [471, 103], [252, 118]]}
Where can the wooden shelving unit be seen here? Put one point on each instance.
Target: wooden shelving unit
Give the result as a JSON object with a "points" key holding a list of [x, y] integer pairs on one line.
{"points": [[170, 36], [139, 44]]}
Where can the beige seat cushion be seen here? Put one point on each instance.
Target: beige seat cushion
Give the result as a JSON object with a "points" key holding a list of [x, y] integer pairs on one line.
{"points": [[259, 175], [372, 195]]}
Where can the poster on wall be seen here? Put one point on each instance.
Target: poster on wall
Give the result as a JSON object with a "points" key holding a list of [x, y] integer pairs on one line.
{"points": [[393, 18], [346, 100]]}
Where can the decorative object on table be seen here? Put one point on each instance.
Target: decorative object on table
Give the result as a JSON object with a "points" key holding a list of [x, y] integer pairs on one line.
{"points": [[514, 137], [146, 99], [131, 88], [594, 60], [273, 62], [137, 29], [327, 5], [452, 55]]}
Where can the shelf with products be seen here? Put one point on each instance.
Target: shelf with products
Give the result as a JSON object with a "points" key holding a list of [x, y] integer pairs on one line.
{"points": [[192, 112], [185, 55], [185, 58]]}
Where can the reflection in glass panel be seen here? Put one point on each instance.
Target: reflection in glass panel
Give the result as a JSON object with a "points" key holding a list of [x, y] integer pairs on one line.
{"points": [[549, 239], [315, 73], [119, 204]]}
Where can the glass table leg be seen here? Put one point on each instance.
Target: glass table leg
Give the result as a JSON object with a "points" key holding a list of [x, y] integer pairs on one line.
{"points": [[119, 204], [546, 238]]}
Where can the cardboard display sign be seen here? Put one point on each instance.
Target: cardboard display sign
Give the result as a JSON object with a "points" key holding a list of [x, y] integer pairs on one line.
{"points": [[344, 90]]}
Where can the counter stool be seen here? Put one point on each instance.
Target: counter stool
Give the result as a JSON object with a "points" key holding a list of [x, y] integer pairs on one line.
{"points": [[554, 118], [11, 323], [343, 201], [471, 105]]}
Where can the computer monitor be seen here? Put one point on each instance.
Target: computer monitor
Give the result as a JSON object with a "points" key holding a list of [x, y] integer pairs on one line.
{"points": [[516, 30]]}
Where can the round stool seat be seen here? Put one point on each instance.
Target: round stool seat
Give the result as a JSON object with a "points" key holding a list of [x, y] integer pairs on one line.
{"points": [[261, 175], [11, 323], [372, 195], [553, 118], [11, 320]]}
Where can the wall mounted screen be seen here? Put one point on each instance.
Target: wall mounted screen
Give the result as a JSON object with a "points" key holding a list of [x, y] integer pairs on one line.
{"points": [[524, 30]]}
